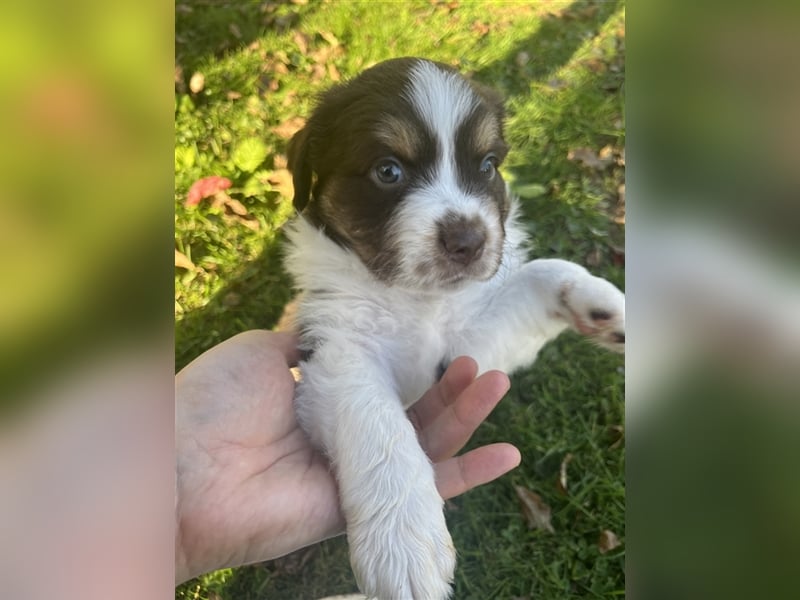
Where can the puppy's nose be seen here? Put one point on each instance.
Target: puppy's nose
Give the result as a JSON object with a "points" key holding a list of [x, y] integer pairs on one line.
{"points": [[462, 240]]}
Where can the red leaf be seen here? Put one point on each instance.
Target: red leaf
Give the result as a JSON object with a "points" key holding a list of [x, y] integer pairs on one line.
{"points": [[205, 187]]}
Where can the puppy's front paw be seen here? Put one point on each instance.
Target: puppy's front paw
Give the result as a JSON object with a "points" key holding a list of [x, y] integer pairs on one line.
{"points": [[405, 553], [595, 308]]}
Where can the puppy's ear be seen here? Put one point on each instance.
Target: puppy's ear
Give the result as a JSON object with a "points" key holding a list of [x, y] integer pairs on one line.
{"points": [[300, 166], [492, 98]]}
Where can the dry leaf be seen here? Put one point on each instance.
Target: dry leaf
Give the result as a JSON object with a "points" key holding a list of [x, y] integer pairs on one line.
{"points": [[607, 541], [197, 83], [330, 38], [606, 153], [182, 261], [590, 159], [480, 28], [592, 259], [289, 127], [619, 217], [536, 512], [281, 181], [318, 72], [235, 206], [280, 162], [562, 473], [616, 436], [301, 40]]}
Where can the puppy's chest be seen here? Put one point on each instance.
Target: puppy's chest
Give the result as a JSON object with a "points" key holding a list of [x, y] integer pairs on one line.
{"points": [[411, 338], [418, 358]]}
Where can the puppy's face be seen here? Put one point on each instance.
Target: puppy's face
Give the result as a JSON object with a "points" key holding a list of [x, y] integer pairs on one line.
{"points": [[400, 166]]}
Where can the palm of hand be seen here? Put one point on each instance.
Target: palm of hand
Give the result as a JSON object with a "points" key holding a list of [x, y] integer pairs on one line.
{"points": [[250, 487]]}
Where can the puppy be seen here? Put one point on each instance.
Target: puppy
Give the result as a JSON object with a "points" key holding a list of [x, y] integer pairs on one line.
{"points": [[408, 254]]}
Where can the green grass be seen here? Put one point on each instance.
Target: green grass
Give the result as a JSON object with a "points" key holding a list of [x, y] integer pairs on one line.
{"points": [[561, 67]]}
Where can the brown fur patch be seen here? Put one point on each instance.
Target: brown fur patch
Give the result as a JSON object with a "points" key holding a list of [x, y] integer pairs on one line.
{"points": [[402, 137]]}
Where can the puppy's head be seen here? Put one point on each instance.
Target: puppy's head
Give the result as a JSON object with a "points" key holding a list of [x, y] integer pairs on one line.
{"points": [[399, 165]]}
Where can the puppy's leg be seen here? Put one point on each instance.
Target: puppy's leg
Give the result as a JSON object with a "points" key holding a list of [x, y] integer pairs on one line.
{"points": [[399, 544], [537, 303]]}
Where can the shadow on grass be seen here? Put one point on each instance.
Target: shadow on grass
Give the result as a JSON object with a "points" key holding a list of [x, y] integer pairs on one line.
{"points": [[559, 35], [209, 28]]}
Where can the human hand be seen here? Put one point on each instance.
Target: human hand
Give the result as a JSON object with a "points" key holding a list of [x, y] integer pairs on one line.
{"points": [[251, 488]]}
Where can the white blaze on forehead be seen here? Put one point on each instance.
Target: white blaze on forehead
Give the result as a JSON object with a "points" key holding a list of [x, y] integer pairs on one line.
{"points": [[442, 99]]}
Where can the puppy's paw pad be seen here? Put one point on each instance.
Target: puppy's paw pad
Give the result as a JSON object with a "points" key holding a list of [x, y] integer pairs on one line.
{"points": [[596, 309]]}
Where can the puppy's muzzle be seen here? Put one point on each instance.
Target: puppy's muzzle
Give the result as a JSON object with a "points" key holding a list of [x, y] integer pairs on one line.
{"points": [[461, 239]]}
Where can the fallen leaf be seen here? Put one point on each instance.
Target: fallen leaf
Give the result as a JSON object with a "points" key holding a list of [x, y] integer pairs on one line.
{"points": [[616, 436], [279, 161], [289, 127], [536, 512], [205, 187], [562, 473], [333, 72], [589, 158], [593, 259], [607, 541], [595, 65], [197, 83], [619, 217], [606, 153], [318, 72], [235, 206], [281, 181], [301, 40], [480, 28], [330, 38], [182, 261]]}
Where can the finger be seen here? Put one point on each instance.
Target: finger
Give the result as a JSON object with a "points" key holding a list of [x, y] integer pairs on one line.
{"points": [[482, 465], [456, 378], [448, 433]]}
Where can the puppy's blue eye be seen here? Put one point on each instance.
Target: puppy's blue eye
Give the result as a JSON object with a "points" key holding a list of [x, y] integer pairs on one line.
{"points": [[388, 171], [489, 166]]}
